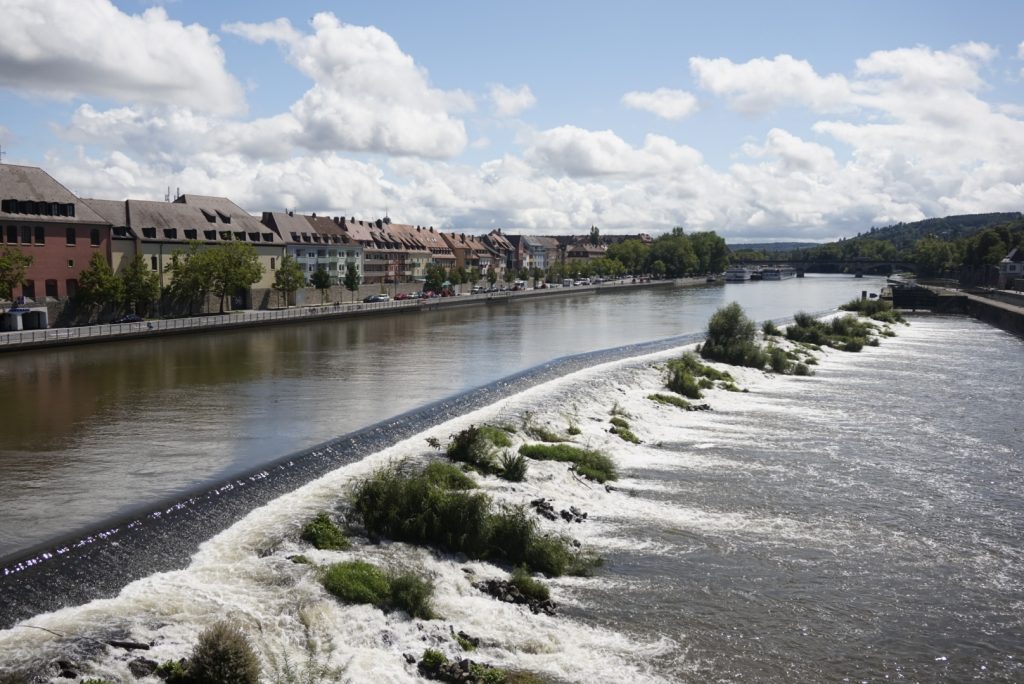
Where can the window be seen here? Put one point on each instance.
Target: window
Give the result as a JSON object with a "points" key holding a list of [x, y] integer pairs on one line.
{"points": [[149, 233], [71, 263], [51, 288], [72, 286], [273, 263], [29, 289], [191, 234], [152, 263], [72, 236], [94, 237], [40, 235], [12, 234], [26, 235]]}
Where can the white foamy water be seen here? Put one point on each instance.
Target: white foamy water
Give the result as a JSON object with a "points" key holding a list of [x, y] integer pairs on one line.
{"points": [[732, 541]]}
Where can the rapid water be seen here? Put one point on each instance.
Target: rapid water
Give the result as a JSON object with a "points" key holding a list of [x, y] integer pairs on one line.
{"points": [[862, 524]]}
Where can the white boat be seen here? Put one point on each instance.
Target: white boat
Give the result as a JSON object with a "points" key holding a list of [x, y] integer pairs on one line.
{"points": [[737, 274], [778, 273]]}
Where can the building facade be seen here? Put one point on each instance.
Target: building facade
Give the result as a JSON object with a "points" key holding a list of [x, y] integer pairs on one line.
{"points": [[44, 220]]}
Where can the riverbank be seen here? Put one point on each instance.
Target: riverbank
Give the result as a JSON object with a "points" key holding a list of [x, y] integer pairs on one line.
{"points": [[63, 337]]}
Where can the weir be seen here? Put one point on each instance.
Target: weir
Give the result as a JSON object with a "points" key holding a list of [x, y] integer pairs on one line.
{"points": [[99, 562]]}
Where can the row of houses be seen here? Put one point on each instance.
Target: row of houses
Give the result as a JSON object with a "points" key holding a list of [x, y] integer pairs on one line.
{"points": [[62, 231]]}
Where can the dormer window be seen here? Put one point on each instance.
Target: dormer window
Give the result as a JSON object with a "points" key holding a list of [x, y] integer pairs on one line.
{"points": [[171, 233], [240, 235], [225, 235], [210, 234], [191, 234], [149, 233], [255, 237], [268, 237], [210, 218], [224, 217]]}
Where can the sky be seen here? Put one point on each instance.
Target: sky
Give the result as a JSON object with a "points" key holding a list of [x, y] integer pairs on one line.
{"points": [[804, 121]]}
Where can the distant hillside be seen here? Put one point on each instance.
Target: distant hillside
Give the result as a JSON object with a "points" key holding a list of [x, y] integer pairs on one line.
{"points": [[769, 247], [951, 228]]}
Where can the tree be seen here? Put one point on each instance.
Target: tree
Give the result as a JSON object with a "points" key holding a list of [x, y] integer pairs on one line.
{"points": [[192, 273], [711, 252], [352, 279], [632, 254], [509, 275], [658, 269], [932, 256], [14, 265], [235, 266], [595, 235], [455, 277], [98, 286], [140, 286], [492, 276], [474, 275], [322, 281], [289, 277]]}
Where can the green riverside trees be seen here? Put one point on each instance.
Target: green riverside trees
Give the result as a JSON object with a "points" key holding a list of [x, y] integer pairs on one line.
{"points": [[13, 266], [289, 278]]}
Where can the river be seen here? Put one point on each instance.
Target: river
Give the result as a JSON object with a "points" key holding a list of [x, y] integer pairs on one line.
{"points": [[91, 432], [862, 524]]}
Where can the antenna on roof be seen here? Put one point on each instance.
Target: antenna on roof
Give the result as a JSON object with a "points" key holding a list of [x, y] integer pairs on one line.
{"points": [[167, 197]]}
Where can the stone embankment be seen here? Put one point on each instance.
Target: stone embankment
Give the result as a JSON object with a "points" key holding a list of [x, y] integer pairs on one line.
{"points": [[61, 337]]}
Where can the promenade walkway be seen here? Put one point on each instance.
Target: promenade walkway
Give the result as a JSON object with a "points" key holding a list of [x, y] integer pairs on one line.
{"points": [[55, 337]]}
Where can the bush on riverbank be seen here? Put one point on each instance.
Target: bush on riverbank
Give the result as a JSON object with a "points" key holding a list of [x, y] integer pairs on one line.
{"points": [[223, 654], [688, 376], [411, 508], [478, 448], [361, 582], [876, 309], [731, 339], [846, 333], [669, 399], [323, 534], [447, 476], [589, 463], [620, 427]]}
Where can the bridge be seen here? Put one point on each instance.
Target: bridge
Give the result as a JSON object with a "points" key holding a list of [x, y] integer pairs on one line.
{"points": [[861, 265]]}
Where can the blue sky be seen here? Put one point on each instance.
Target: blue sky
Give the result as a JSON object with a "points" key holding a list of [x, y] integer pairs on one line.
{"points": [[803, 120]]}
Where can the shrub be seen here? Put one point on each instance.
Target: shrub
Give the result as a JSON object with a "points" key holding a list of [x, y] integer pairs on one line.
{"points": [[589, 463], [496, 436], [357, 582], [472, 447], [573, 429], [447, 476], [769, 329], [681, 381], [322, 533], [223, 654], [669, 399], [543, 434], [731, 339], [464, 643], [876, 309], [409, 508], [619, 422], [172, 671], [778, 360], [512, 467], [801, 369], [361, 582], [627, 435], [729, 387], [412, 594], [617, 410], [433, 659], [846, 332], [529, 587]]}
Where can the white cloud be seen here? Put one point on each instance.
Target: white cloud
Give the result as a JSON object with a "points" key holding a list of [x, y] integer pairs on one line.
{"points": [[1020, 50], [62, 49], [579, 152], [761, 85], [663, 102], [367, 95], [508, 102]]}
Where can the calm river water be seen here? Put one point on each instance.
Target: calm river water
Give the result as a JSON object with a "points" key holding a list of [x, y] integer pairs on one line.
{"points": [[90, 432], [862, 524]]}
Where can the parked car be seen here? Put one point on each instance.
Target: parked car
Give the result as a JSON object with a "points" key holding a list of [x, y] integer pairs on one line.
{"points": [[130, 318], [376, 298], [477, 289], [401, 296]]}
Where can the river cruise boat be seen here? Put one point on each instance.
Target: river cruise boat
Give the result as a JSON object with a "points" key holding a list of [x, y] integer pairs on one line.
{"points": [[737, 274], [778, 273]]}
